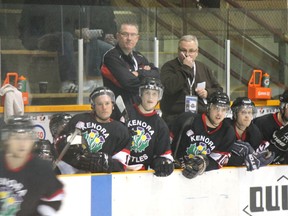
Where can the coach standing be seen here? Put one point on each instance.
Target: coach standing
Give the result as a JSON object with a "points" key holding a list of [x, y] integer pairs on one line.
{"points": [[123, 68], [187, 82]]}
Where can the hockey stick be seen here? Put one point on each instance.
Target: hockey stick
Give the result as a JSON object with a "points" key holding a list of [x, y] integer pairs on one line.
{"points": [[187, 122], [66, 147], [122, 108], [124, 113]]}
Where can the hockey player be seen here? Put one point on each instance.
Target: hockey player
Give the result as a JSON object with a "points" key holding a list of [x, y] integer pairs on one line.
{"points": [[28, 185], [151, 143], [57, 123], [44, 149], [274, 128], [105, 144], [203, 142], [248, 148]]}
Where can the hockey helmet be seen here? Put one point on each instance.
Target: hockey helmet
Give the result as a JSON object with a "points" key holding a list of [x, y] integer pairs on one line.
{"points": [[219, 98], [101, 91], [17, 124], [44, 150], [283, 99], [57, 122], [242, 103], [284, 104], [151, 83]]}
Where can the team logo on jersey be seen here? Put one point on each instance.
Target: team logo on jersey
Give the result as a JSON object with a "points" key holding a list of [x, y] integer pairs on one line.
{"points": [[140, 140], [94, 140], [11, 196], [197, 149]]}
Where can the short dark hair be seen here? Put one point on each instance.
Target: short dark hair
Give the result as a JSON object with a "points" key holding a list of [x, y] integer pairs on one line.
{"points": [[128, 22]]}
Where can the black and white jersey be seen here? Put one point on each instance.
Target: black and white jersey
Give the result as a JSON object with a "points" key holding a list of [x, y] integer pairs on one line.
{"points": [[24, 189], [112, 138], [150, 137], [267, 124], [198, 139]]}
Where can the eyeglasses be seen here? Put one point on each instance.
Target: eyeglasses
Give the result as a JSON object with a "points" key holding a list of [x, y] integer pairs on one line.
{"points": [[126, 34], [190, 51]]}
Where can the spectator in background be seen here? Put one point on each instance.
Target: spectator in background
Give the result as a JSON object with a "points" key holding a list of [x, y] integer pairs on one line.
{"points": [[247, 150], [55, 28], [51, 28], [99, 28], [274, 128], [184, 78], [28, 186], [123, 68]]}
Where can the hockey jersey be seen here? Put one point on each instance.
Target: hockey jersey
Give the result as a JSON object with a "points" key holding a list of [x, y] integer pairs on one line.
{"points": [[150, 137], [268, 124], [197, 139], [112, 138], [22, 190], [252, 135]]}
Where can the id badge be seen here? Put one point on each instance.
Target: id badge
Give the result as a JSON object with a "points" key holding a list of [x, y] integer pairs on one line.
{"points": [[191, 103]]}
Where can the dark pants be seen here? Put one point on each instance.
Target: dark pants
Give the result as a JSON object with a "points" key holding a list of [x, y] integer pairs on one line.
{"points": [[95, 50], [63, 43]]}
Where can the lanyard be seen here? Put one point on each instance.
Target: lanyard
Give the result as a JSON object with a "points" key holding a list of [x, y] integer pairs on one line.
{"points": [[135, 65], [193, 81]]}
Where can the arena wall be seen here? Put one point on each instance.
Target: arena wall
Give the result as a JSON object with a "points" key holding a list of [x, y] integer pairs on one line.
{"points": [[225, 192]]}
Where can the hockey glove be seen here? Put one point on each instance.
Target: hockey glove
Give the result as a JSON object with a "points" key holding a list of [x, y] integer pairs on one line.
{"points": [[95, 162], [195, 166], [162, 166], [280, 138], [258, 159], [242, 148], [179, 164]]}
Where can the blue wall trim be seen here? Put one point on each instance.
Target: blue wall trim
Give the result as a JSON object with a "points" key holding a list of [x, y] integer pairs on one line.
{"points": [[101, 195]]}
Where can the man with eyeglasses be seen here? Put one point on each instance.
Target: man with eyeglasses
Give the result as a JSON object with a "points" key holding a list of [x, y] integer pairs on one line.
{"points": [[249, 148], [123, 67], [186, 79], [274, 127], [203, 142]]}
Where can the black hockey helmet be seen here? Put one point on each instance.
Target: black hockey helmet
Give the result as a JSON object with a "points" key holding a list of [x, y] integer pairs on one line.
{"points": [[283, 99], [17, 124], [241, 103], [151, 83], [219, 98], [283, 104], [101, 91], [44, 149], [57, 122]]}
